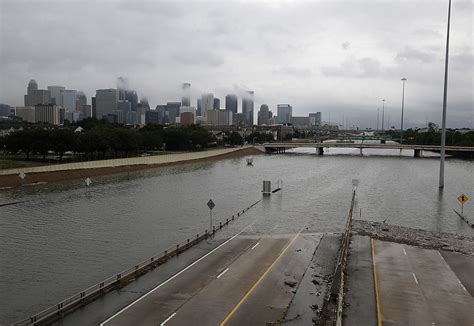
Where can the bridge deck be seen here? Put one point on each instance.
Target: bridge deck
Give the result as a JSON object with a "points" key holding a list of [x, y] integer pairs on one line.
{"points": [[369, 145]]}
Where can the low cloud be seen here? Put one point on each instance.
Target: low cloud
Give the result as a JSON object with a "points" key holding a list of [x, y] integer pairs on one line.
{"points": [[410, 54], [354, 68]]}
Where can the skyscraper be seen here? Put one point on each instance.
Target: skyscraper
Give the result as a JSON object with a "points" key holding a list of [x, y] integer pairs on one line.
{"points": [[68, 99], [315, 119], [231, 103], [263, 115], [247, 107], [81, 98], [55, 94], [186, 97], [36, 96], [105, 102], [32, 87], [284, 113], [217, 103], [199, 109], [207, 103], [49, 113], [172, 109]]}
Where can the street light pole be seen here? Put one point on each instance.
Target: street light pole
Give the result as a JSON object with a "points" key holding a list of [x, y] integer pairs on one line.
{"points": [[445, 99], [383, 113], [378, 113], [403, 104]]}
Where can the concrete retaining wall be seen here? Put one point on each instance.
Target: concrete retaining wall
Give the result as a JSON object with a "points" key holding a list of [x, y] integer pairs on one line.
{"points": [[148, 160]]}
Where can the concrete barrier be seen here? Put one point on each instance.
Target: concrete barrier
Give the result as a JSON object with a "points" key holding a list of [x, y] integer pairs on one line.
{"points": [[331, 313], [148, 160]]}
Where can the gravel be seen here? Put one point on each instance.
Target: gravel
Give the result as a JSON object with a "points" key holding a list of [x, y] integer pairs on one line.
{"points": [[415, 237]]}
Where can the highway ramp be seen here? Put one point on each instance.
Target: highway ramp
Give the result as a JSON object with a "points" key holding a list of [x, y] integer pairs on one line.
{"points": [[247, 279]]}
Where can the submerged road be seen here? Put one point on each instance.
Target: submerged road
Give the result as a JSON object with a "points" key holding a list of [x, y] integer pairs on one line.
{"points": [[419, 287], [246, 279]]}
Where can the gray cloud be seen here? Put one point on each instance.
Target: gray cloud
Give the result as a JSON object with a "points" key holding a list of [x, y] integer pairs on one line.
{"points": [[339, 56], [354, 68], [409, 54]]}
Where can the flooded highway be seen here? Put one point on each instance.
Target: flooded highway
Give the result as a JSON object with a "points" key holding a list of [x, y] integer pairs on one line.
{"points": [[59, 238]]}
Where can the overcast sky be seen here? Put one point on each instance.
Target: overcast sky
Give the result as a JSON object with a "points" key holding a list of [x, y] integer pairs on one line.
{"points": [[337, 57]]}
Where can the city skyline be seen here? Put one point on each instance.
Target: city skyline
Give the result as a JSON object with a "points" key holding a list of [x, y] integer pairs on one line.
{"points": [[290, 54]]}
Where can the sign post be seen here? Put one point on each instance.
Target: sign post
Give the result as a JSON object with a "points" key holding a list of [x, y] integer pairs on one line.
{"points": [[22, 176], [462, 198], [211, 205], [88, 182]]}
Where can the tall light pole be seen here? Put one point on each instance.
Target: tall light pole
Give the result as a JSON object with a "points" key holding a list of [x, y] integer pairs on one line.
{"points": [[403, 104], [378, 113], [445, 99], [383, 113]]}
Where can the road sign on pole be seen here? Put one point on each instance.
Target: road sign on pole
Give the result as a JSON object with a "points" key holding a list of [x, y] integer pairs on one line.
{"points": [[211, 205], [462, 198]]}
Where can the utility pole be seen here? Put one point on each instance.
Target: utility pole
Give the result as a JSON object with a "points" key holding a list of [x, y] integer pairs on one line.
{"points": [[445, 99], [403, 103], [378, 113], [383, 113]]}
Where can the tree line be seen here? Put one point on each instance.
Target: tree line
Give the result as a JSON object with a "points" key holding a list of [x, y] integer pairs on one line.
{"points": [[433, 137], [99, 139]]}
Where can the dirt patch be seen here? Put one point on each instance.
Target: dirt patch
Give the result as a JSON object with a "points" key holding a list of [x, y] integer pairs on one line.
{"points": [[415, 237], [31, 178]]}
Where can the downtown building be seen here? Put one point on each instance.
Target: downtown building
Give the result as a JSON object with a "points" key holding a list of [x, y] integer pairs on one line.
{"points": [[186, 97], [49, 113], [247, 107], [315, 119], [36, 96], [106, 101], [264, 115], [284, 113], [207, 103], [231, 103], [27, 113], [55, 94], [187, 115], [219, 117]]}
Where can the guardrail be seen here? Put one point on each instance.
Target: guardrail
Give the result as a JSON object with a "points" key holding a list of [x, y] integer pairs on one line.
{"points": [[121, 279], [333, 306]]}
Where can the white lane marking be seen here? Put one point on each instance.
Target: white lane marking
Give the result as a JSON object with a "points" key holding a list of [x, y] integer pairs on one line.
{"points": [[255, 246], [404, 251], [462, 285], [414, 276], [225, 270], [172, 277], [167, 319]]}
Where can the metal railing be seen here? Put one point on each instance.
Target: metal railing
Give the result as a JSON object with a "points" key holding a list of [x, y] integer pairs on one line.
{"points": [[120, 279], [334, 303]]}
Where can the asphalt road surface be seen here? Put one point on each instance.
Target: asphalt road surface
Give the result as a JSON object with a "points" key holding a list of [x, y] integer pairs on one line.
{"points": [[246, 280], [418, 287]]}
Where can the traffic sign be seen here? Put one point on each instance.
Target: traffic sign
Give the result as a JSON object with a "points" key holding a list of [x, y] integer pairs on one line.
{"points": [[22, 175], [211, 204], [88, 181], [463, 198]]}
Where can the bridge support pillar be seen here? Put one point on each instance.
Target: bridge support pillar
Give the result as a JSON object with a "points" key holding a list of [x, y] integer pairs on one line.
{"points": [[417, 153], [320, 150]]}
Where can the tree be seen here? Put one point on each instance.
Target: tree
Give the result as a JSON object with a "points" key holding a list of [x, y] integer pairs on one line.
{"points": [[42, 142], [21, 140], [235, 138], [62, 140]]}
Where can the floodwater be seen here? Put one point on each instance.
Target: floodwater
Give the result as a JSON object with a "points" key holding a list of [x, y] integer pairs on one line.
{"points": [[63, 238]]}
